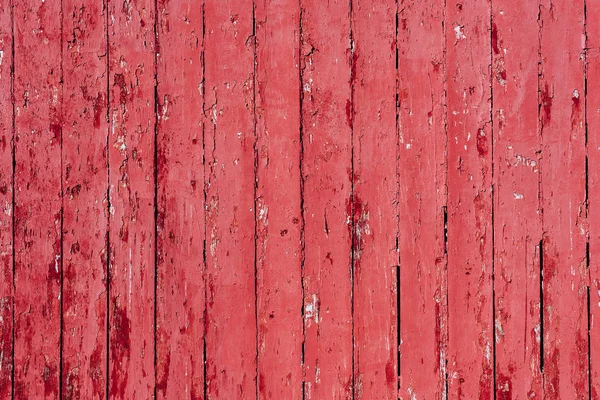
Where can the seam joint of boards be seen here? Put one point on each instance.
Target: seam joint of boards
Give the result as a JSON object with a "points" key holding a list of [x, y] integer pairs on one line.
{"points": [[62, 214], [156, 207], [108, 201]]}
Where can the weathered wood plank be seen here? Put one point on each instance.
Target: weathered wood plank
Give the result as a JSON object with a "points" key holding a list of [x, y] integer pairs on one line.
{"points": [[278, 246], [6, 197], [38, 96], [326, 63], [517, 222], [422, 199], [375, 201], [565, 275], [37, 199], [593, 151], [85, 179], [230, 183], [470, 345], [132, 184], [180, 264]]}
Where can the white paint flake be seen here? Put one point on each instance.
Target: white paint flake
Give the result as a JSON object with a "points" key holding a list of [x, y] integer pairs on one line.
{"points": [[458, 30]]}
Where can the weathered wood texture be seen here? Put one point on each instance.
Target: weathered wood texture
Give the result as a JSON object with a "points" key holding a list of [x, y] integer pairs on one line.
{"points": [[563, 190], [278, 241], [328, 215], [470, 233], [38, 108], [231, 209], [367, 199], [517, 212], [422, 199], [6, 194], [180, 224], [374, 198], [84, 180], [132, 225], [592, 114]]}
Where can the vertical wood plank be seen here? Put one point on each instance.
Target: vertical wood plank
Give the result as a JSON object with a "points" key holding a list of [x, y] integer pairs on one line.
{"points": [[6, 196], [470, 346], [85, 178], [517, 222], [180, 264], [593, 150], [230, 183], [565, 314], [279, 251], [422, 199], [374, 215], [132, 223], [327, 197], [37, 198]]}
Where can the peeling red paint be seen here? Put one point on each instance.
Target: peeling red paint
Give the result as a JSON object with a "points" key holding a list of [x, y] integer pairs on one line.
{"points": [[384, 225]]}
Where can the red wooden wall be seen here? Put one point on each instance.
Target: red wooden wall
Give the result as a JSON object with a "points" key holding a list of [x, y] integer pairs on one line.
{"points": [[307, 199]]}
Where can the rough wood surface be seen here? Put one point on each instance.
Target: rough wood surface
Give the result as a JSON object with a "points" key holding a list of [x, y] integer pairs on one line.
{"points": [[6, 195], [422, 199], [180, 225], [328, 213], [278, 240], [374, 199], [592, 114], [366, 199], [470, 234], [563, 189], [517, 218], [231, 209], [132, 225], [84, 180], [37, 199]]}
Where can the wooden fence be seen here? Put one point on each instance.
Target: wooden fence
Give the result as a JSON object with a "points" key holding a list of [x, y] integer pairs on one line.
{"points": [[299, 199]]}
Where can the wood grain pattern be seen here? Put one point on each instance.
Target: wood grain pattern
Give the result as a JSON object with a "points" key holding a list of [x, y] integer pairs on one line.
{"points": [[517, 218], [563, 178], [592, 115], [366, 199], [131, 153], [422, 199], [278, 240], [6, 199], [180, 225], [37, 185], [230, 141], [469, 130], [327, 59], [375, 199], [85, 178]]}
